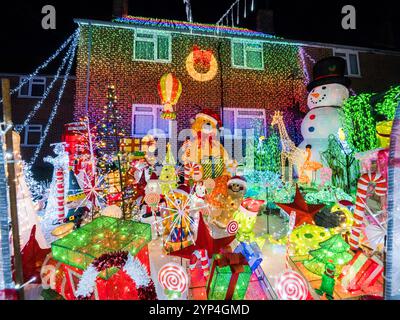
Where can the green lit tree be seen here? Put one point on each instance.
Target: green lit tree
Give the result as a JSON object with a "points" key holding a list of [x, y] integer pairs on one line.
{"points": [[273, 153], [341, 159], [334, 251]]}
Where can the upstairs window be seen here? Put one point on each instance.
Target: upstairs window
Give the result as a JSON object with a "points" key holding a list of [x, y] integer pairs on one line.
{"points": [[352, 62], [247, 55], [34, 88], [152, 46]]}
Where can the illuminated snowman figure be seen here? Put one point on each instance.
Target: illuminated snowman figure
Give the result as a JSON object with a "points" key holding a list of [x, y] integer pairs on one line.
{"points": [[328, 91]]}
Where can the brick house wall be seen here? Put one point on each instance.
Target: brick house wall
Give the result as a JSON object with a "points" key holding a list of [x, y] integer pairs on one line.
{"points": [[22, 106], [278, 87]]}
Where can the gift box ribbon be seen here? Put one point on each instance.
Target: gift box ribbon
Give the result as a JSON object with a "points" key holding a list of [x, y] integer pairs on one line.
{"points": [[236, 261]]}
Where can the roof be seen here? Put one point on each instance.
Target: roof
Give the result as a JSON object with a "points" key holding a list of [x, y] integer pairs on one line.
{"points": [[220, 31], [192, 26]]}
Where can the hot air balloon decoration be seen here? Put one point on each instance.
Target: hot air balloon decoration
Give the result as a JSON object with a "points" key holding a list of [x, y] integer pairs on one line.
{"points": [[169, 89]]}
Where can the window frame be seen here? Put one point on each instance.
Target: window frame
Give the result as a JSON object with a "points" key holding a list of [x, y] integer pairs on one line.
{"points": [[245, 43], [30, 84], [347, 53], [29, 129], [236, 115], [154, 40], [154, 113]]}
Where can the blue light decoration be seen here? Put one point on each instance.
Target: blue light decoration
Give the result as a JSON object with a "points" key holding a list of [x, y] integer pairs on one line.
{"points": [[70, 56], [6, 281], [392, 268], [251, 252]]}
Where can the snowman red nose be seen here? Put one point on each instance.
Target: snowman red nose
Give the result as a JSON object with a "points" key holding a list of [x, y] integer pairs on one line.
{"points": [[315, 95]]}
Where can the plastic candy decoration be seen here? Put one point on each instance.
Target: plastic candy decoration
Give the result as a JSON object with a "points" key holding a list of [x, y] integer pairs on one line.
{"points": [[232, 227], [192, 171], [291, 286], [362, 190], [202, 256], [209, 184], [152, 200], [204, 59], [169, 90], [173, 279]]}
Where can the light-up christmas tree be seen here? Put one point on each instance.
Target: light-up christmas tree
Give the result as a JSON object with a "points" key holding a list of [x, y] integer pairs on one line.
{"points": [[334, 251], [273, 153], [108, 146]]}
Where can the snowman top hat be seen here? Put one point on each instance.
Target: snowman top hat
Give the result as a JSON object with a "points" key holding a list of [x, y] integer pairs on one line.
{"points": [[329, 70]]}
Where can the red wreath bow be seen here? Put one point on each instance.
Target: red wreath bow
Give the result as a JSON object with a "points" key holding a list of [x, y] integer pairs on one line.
{"points": [[202, 57]]}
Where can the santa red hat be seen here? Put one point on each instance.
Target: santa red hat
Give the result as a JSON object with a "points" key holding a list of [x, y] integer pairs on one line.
{"points": [[251, 207], [210, 115], [153, 176], [238, 180], [183, 188]]}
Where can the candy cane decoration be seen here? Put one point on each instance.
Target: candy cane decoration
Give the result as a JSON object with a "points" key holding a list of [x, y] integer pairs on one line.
{"points": [[60, 194], [362, 188], [192, 170], [202, 256]]}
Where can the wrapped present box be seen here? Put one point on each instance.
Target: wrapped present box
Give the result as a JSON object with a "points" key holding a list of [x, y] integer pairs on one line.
{"points": [[229, 277], [102, 235], [361, 272], [251, 252], [130, 145]]}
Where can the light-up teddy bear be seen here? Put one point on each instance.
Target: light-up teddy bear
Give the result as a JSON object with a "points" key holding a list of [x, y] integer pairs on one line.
{"points": [[328, 92], [205, 148]]}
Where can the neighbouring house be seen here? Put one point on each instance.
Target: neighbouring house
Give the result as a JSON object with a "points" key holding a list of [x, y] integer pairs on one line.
{"points": [[24, 101], [239, 73]]}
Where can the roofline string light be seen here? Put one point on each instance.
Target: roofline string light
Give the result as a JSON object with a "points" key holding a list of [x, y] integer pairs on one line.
{"points": [[59, 97], [47, 92], [44, 64]]}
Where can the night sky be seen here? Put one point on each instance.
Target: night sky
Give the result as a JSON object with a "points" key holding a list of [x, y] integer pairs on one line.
{"points": [[26, 44]]}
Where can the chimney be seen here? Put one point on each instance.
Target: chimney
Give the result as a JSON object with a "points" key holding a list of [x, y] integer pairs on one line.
{"points": [[120, 8]]}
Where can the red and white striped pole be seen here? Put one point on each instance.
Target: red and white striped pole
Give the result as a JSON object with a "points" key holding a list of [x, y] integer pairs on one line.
{"points": [[60, 194], [362, 190]]}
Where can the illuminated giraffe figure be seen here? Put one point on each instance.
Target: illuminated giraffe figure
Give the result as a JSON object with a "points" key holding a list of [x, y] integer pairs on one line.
{"points": [[290, 152]]}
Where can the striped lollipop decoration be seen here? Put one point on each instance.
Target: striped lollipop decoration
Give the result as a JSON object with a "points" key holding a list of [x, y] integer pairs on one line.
{"points": [[173, 278], [291, 286], [152, 200], [232, 227]]}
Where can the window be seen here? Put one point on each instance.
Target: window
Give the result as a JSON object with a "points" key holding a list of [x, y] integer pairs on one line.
{"points": [[30, 135], [34, 88], [152, 46], [247, 55], [352, 62], [241, 119], [146, 120]]}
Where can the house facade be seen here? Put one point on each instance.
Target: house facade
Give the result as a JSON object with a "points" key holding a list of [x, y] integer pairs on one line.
{"points": [[24, 101], [240, 74]]}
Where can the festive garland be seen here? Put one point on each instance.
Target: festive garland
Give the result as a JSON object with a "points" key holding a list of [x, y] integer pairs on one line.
{"points": [[198, 76], [390, 101], [124, 261], [359, 123]]}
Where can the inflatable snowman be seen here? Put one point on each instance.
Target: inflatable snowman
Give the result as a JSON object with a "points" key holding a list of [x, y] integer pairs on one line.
{"points": [[327, 93]]}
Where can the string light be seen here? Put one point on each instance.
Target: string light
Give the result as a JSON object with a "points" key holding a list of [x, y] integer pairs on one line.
{"points": [[47, 92], [44, 64], [6, 279], [57, 103]]}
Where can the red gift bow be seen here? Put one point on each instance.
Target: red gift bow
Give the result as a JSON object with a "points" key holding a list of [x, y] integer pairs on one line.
{"points": [[202, 57], [236, 261]]}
